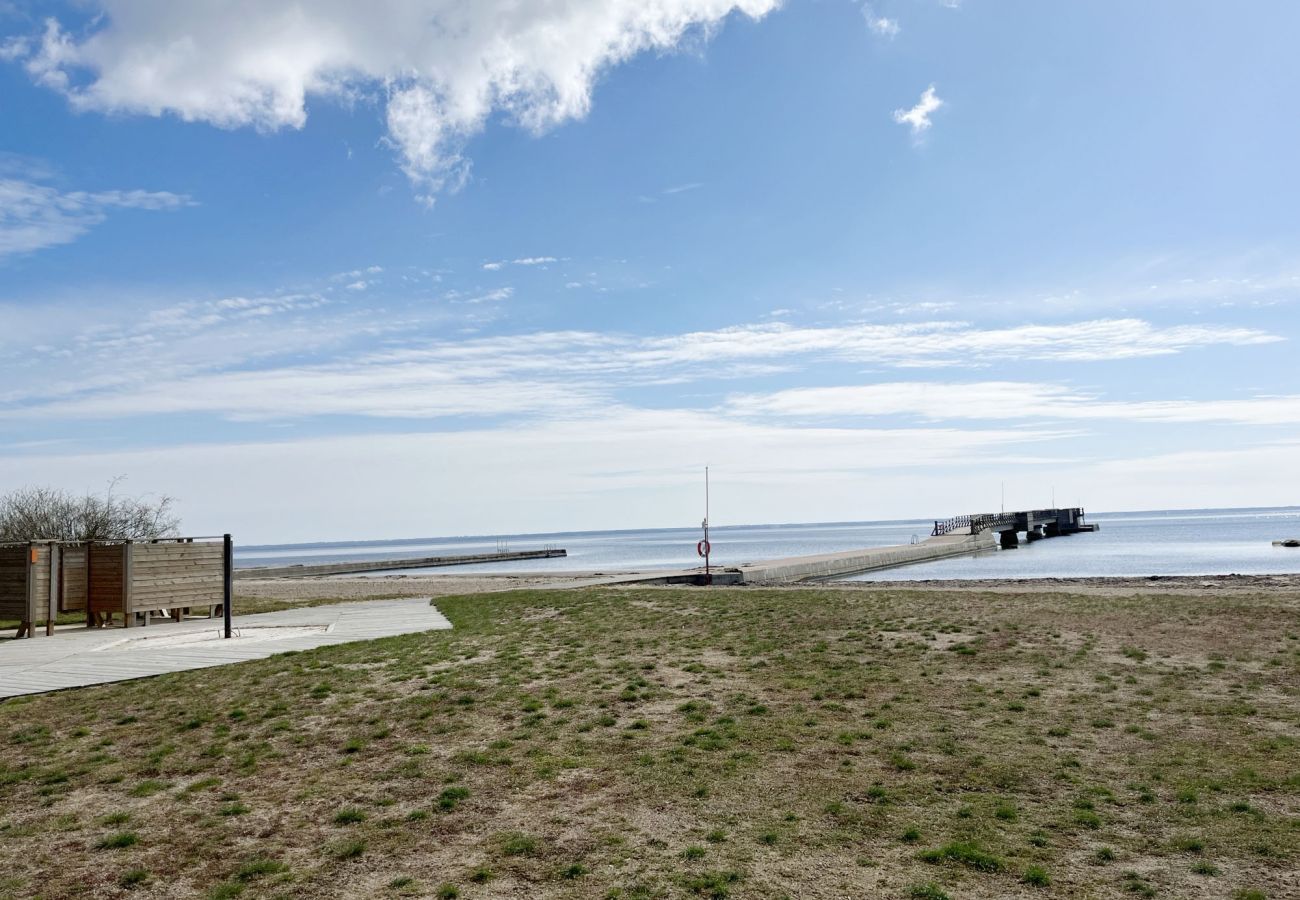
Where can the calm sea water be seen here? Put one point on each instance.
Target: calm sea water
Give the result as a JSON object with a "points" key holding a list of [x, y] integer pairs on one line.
{"points": [[1172, 542]]}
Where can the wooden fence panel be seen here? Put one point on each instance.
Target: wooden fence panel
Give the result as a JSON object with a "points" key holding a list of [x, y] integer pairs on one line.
{"points": [[72, 596], [107, 571], [13, 581], [176, 575]]}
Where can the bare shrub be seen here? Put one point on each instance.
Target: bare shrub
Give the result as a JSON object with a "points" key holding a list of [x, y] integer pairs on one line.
{"points": [[45, 513]]}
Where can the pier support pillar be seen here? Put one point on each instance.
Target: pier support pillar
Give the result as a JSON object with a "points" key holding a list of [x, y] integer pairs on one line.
{"points": [[1033, 534], [1010, 539]]}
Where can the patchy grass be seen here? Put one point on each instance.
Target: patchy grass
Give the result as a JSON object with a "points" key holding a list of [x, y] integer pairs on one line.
{"points": [[660, 743]]}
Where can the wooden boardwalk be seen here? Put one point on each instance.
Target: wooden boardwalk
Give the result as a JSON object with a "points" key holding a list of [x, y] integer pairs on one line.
{"points": [[79, 657]]}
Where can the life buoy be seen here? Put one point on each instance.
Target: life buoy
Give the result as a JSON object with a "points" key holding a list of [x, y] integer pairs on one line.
{"points": [[702, 548]]}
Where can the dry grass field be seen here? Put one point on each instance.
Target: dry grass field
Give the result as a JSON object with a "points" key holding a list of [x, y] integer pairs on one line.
{"points": [[613, 743]]}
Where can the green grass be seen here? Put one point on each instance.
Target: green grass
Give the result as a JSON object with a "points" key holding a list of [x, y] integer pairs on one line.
{"points": [[927, 891], [970, 855], [260, 868], [118, 841], [1036, 876], [132, 878], [349, 815], [666, 743], [518, 844]]}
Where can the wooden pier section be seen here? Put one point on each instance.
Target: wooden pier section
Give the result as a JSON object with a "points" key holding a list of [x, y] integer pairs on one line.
{"points": [[384, 565]]}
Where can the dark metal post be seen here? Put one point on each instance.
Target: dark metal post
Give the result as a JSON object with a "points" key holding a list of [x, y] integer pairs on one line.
{"points": [[227, 571]]}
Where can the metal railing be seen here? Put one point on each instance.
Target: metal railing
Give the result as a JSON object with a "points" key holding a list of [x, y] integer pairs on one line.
{"points": [[973, 524]]}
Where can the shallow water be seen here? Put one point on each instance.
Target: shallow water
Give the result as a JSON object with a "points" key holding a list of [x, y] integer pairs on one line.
{"points": [[1180, 542]]}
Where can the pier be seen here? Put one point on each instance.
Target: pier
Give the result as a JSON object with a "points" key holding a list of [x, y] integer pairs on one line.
{"points": [[959, 536], [1036, 524], [384, 565], [871, 559]]}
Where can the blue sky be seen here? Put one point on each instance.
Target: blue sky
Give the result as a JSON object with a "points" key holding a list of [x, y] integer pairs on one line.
{"points": [[437, 268]]}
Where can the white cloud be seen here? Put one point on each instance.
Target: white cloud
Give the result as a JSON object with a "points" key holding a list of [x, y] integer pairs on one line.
{"points": [[946, 344], [918, 117], [495, 296], [1006, 400], [154, 371], [642, 469], [881, 25], [14, 48], [34, 216], [443, 67], [498, 265]]}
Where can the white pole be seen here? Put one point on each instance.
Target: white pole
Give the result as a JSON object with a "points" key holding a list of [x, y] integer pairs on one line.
{"points": [[708, 578]]}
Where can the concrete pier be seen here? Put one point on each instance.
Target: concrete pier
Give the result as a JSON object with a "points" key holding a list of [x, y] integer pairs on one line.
{"points": [[960, 536], [383, 565], [818, 567], [854, 562]]}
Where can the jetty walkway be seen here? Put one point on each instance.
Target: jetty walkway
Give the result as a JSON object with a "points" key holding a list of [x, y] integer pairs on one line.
{"points": [[300, 570], [959, 536]]}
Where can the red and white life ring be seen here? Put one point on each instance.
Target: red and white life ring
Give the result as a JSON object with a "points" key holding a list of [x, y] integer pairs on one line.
{"points": [[702, 548]]}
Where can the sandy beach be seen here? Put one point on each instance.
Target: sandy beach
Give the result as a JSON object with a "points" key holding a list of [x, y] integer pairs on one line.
{"points": [[293, 591]]}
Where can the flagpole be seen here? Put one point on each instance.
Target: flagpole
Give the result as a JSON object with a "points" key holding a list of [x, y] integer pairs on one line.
{"points": [[708, 576]]}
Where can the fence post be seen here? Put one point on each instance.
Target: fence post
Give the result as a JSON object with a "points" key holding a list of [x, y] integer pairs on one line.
{"points": [[227, 564]]}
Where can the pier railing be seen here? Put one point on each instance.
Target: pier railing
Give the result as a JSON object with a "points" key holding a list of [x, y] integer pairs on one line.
{"points": [[948, 526], [973, 524]]}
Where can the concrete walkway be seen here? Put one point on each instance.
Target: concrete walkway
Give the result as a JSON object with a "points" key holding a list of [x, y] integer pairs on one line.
{"points": [[96, 656], [869, 559]]}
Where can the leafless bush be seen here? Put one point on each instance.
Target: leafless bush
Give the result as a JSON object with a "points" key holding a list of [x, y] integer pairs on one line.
{"points": [[37, 513]]}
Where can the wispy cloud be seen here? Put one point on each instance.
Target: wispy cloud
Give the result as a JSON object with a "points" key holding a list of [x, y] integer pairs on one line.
{"points": [[500, 264], [493, 296], [880, 25], [591, 463], [918, 117], [1003, 401], [418, 378], [35, 215], [670, 191]]}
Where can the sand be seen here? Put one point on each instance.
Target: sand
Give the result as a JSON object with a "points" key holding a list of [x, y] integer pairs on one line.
{"points": [[294, 590]]}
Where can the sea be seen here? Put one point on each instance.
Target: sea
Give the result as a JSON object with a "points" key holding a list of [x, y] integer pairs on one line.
{"points": [[1145, 543]]}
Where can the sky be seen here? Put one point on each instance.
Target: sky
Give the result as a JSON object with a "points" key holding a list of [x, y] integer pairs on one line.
{"points": [[333, 271]]}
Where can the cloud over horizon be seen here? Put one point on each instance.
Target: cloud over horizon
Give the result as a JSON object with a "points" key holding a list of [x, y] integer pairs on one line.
{"points": [[158, 365]]}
